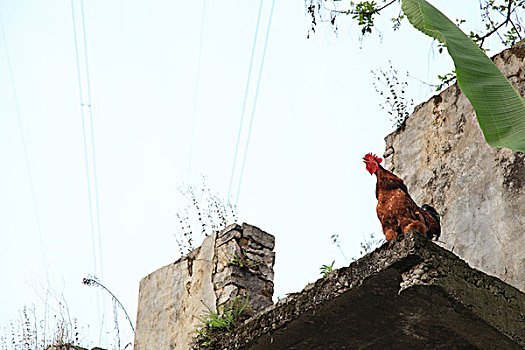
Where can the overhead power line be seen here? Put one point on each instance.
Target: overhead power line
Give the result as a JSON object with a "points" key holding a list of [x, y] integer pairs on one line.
{"points": [[85, 140], [86, 112], [246, 89], [254, 106], [84, 84], [255, 101]]}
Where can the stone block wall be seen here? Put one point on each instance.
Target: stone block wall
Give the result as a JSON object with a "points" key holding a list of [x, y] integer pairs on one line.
{"points": [[244, 260], [479, 190], [235, 262]]}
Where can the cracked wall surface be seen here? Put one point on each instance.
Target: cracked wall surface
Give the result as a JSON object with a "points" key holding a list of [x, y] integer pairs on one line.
{"points": [[479, 190], [235, 262]]}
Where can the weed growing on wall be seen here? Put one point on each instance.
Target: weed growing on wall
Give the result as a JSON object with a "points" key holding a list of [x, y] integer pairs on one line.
{"points": [[38, 328], [368, 244], [393, 91], [326, 269], [204, 213], [32, 331], [214, 324], [242, 261]]}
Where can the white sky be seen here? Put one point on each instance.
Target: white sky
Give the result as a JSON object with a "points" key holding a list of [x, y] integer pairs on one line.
{"points": [[316, 116]]}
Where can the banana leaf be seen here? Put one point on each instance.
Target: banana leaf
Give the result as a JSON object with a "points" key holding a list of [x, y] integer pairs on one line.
{"points": [[499, 108]]}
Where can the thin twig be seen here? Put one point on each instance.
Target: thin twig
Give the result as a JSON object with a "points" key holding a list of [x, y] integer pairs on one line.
{"points": [[93, 281], [349, 12], [496, 28]]}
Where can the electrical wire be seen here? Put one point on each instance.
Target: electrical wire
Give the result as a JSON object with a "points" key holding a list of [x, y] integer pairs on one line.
{"points": [[95, 177], [255, 102], [89, 138], [246, 89], [84, 134]]}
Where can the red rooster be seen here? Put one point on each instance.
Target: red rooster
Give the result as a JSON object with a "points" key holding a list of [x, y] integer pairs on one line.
{"points": [[396, 210]]}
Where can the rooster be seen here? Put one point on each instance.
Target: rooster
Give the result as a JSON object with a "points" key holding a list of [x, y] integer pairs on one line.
{"points": [[396, 210]]}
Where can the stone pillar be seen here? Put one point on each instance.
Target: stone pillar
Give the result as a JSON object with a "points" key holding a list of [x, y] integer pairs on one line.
{"points": [[235, 262], [244, 266]]}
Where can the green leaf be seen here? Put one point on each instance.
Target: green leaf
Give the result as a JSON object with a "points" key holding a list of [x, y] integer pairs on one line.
{"points": [[499, 108]]}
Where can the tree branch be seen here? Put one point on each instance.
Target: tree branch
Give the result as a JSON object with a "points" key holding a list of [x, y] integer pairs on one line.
{"points": [[496, 28], [349, 12]]}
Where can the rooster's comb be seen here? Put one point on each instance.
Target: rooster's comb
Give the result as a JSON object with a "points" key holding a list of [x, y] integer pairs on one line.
{"points": [[373, 156]]}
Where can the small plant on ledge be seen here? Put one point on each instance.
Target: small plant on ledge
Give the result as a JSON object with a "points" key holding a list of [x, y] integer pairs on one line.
{"points": [[326, 269], [243, 261], [214, 324], [204, 213]]}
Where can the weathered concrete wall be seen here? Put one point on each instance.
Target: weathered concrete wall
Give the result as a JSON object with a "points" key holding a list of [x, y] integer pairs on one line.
{"points": [[407, 294], [171, 297], [444, 160]]}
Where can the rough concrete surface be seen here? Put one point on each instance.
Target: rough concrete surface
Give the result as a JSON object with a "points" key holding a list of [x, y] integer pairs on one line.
{"points": [[407, 294], [171, 298], [479, 190]]}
